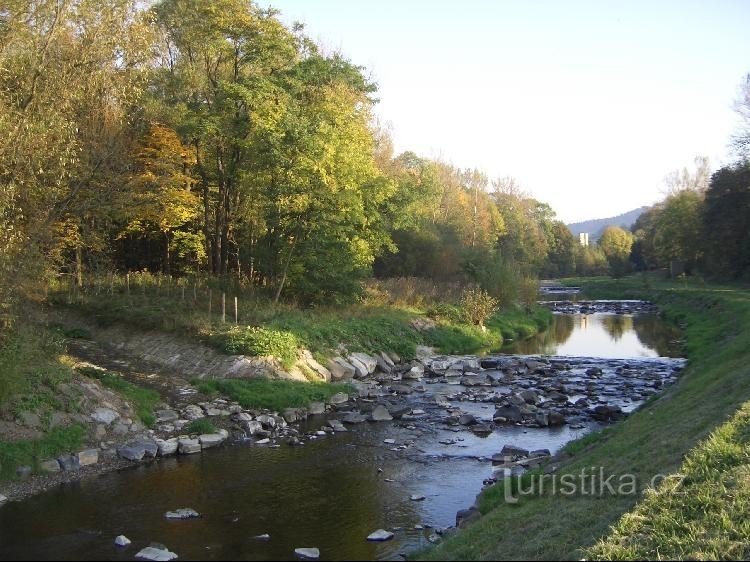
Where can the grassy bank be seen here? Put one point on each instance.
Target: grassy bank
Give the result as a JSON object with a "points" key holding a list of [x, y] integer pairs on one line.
{"points": [[32, 370], [690, 418], [272, 394], [373, 324]]}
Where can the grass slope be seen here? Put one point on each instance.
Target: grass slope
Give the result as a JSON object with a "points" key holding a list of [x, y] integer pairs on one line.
{"points": [[654, 441]]}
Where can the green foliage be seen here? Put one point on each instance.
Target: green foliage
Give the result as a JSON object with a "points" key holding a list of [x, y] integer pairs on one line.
{"points": [[271, 394], [477, 306], [200, 426], [260, 341], [617, 243], [30, 369], [30, 453], [143, 400]]}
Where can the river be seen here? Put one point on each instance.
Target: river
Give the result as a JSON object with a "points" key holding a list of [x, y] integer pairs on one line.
{"points": [[333, 492]]}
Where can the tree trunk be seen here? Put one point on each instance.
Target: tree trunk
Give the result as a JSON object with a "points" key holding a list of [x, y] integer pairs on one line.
{"points": [[79, 266]]}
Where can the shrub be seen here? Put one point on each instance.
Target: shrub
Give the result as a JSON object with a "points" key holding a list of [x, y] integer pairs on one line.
{"points": [[256, 340], [477, 306]]}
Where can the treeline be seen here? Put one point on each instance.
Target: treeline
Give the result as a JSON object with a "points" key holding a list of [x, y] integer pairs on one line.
{"points": [[205, 137], [703, 225]]}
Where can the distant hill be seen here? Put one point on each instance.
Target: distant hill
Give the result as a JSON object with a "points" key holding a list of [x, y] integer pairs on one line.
{"points": [[595, 227]]}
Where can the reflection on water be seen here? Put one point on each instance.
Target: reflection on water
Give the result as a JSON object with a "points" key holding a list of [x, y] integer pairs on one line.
{"points": [[603, 335]]}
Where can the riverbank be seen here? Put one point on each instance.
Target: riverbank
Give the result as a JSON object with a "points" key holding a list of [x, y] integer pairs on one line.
{"points": [[47, 398], [690, 418]]}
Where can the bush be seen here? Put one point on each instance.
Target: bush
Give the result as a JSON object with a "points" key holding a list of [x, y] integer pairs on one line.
{"points": [[478, 306]]}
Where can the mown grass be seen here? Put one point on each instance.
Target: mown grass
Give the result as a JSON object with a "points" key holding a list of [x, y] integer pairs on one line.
{"points": [[31, 452], [143, 400], [651, 442], [272, 394]]}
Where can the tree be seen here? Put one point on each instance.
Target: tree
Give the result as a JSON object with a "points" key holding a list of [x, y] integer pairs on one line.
{"points": [[160, 195], [616, 243], [726, 219]]}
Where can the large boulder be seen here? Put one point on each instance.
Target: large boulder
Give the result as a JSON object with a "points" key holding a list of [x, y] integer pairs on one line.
{"points": [[188, 446], [137, 449], [509, 412], [340, 369], [380, 413], [368, 361], [209, 440], [156, 554], [167, 446], [360, 369]]}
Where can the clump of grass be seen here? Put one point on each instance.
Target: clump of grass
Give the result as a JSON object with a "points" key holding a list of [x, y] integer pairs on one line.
{"points": [[201, 426], [144, 400], [272, 394], [257, 340], [31, 452]]}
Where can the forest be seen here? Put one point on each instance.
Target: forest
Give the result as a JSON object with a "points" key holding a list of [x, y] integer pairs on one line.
{"points": [[206, 139]]}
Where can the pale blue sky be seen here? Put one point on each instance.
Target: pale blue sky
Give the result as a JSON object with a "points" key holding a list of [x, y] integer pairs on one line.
{"points": [[588, 104]]}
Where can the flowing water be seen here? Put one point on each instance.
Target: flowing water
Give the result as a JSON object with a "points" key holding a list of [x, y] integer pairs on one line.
{"points": [[329, 493]]}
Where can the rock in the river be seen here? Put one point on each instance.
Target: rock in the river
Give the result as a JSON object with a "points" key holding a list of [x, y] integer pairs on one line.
{"points": [[380, 413], [307, 553], [380, 535], [416, 498], [467, 419], [353, 417], [606, 412], [122, 541], [252, 428], [556, 418], [337, 426], [156, 554], [509, 412], [188, 446], [136, 449], [263, 537], [513, 451], [338, 398], [481, 428], [3, 499], [208, 440], [167, 447], [316, 408], [104, 415], [182, 513]]}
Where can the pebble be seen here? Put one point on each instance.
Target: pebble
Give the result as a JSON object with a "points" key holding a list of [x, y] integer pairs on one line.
{"points": [[122, 540], [307, 553]]}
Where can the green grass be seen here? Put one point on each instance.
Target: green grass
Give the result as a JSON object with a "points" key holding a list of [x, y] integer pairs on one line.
{"points": [[31, 453], [282, 330], [143, 400], [272, 394], [30, 369], [200, 426], [653, 441]]}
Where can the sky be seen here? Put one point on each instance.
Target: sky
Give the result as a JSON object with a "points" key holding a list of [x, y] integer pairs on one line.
{"points": [[588, 104]]}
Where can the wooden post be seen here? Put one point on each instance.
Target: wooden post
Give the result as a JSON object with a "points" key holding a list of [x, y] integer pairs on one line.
{"points": [[236, 313], [183, 292], [210, 298], [127, 279], [223, 307], [195, 292]]}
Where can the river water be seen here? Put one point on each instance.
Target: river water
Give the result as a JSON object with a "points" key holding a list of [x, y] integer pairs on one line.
{"points": [[332, 492]]}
